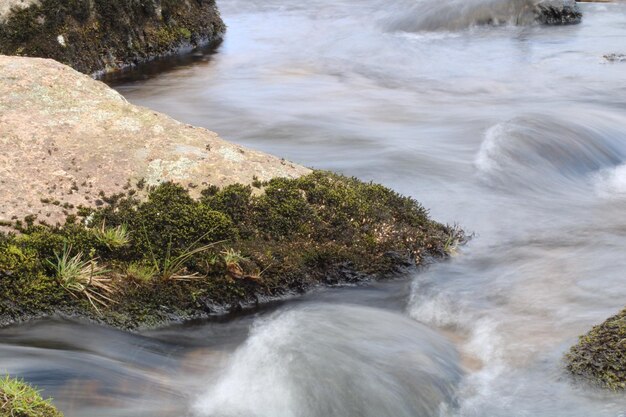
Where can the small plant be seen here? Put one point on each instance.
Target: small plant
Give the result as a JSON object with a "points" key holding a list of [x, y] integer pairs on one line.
{"points": [[140, 272], [456, 237], [113, 237], [233, 259], [19, 399], [86, 277], [173, 267], [256, 183]]}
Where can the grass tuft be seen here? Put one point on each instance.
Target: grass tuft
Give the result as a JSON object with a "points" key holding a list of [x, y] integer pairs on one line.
{"points": [[18, 399], [140, 272], [173, 267], [113, 237], [79, 276]]}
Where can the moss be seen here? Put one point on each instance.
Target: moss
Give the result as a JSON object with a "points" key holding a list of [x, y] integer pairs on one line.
{"points": [[182, 257], [185, 32], [234, 200], [600, 355], [172, 221], [101, 34], [18, 399], [14, 259]]}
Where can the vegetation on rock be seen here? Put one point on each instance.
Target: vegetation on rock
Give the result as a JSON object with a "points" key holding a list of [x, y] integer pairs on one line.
{"points": [[97, 35], [134, 262], [600, 355], [18, 399]]}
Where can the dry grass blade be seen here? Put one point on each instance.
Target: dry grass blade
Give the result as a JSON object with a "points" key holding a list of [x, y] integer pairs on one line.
{"points": [[86, 277], [174, 267]]}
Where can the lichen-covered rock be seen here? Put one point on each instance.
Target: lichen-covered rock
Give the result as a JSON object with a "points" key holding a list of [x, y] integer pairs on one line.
{"points": [[7, 6], [66, 139], [558, 12], [94, 36], [600, 355]]}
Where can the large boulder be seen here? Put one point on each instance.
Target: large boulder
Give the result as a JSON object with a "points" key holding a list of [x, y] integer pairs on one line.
{"points": [[451, 15], [94, 36], [67, 138], [558, 12]]}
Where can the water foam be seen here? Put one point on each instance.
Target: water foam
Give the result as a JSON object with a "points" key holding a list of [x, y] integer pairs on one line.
{"points": [[611, 183], [546, 153], [328, 360]]}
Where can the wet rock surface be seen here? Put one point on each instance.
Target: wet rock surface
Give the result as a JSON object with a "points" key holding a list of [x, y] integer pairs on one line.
{"points": [[558, 12]]}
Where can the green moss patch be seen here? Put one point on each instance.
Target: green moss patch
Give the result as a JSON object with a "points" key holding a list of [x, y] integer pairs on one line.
{"points": [[140, 262], [600, 355], [96, 35], [18, 399]]}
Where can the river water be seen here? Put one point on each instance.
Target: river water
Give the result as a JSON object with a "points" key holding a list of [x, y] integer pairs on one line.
{"points": [[516, 132]]}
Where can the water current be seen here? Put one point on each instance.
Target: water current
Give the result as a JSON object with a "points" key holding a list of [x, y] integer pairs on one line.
{"points": [[515, 131]]}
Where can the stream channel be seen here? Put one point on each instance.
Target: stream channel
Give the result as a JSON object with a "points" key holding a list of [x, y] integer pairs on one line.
{"points": [[516, 132]]}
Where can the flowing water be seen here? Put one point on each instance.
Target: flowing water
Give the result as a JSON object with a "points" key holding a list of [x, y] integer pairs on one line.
{"points": [[515, 131]]}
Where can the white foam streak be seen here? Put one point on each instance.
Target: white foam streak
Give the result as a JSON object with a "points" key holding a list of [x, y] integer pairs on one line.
{"points": [[336, 360], [611, 183]]}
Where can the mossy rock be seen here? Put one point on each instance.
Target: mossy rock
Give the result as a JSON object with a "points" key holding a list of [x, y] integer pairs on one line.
{"points": [[143, 262], [600, 355], [103, 35], [18, 399]]}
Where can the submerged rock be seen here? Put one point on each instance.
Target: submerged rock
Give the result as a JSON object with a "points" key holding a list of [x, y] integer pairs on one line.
{"points": [[67, 138], [95, 36], [404, 369], [615, 57], [558, 12]]}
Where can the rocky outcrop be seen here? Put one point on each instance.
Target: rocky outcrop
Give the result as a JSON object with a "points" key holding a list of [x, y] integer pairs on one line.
{"points": [[95, 36], [67, 138], [558, 12], [144, 220]]}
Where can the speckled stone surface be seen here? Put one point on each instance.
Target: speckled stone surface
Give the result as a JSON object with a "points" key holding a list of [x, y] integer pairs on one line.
{"points": [[65, 137], [7, 5]]}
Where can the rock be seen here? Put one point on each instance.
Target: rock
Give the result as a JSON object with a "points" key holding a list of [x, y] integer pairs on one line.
{"points": [[600, 355], [66, 138], [615, 57], [558, 12], [7, 5], [96, 36]]}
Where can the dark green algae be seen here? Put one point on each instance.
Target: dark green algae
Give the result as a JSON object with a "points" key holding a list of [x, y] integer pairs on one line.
{"points": [[320, 229], [104, 35]]}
